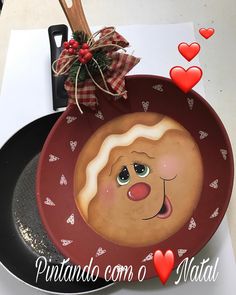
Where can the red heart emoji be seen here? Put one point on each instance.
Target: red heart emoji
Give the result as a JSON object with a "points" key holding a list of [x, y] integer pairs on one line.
{"points": [[189, 51], [206, 33], [164, 264], [186, 79]]}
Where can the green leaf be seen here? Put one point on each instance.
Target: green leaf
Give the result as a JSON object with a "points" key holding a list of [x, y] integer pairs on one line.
{"points": [[80, 36], [101, 64]]}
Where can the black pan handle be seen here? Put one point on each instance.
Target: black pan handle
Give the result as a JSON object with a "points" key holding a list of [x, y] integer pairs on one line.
{"points": [[59, 94]]}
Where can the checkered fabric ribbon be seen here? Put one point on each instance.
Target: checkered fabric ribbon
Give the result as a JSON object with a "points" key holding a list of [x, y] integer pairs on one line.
{"points": [[114, 76]]}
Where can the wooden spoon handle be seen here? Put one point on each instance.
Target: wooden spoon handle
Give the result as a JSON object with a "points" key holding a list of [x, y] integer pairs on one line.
{"points": [[75, 16]]}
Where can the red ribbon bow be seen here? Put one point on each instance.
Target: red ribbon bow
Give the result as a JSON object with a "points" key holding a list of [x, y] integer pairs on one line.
{"points": [[121, 63]]}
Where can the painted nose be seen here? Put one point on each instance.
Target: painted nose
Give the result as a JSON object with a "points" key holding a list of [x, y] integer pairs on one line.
{"points": [[138, 191]]}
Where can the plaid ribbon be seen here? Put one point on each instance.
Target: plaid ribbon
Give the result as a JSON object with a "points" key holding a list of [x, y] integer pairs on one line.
{"points": [[121, 64]]}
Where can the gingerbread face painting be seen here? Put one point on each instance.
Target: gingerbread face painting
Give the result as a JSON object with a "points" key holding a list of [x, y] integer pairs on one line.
{"points": [[138, 179]]}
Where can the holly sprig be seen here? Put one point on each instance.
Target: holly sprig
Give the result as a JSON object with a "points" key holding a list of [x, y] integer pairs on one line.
{"points": [[96, 60]]}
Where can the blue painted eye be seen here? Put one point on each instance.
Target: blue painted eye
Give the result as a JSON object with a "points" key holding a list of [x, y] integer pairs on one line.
{"points": [[123, 178], [141, 170]]}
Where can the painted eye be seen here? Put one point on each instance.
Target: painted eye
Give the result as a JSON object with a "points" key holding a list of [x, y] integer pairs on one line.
{"points": [[123, 178], [141, 170]]}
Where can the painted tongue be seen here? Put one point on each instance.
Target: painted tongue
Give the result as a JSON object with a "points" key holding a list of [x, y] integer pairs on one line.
{"points": [[166, 209]]}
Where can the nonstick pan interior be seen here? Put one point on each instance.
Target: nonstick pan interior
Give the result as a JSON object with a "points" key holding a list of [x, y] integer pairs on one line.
{"points": [[23, 238], [26, 217]]}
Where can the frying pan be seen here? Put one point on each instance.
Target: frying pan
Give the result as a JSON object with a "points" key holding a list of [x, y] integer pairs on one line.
{"points": [[143, 94], [23, 238]]}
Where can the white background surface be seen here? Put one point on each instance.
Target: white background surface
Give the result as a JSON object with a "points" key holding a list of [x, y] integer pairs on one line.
{"points": [[34, 90], [27, 75]]}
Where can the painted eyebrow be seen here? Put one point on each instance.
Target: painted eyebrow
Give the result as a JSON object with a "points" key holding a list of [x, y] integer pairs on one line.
{"points": [[115, 163], [143, 153]]}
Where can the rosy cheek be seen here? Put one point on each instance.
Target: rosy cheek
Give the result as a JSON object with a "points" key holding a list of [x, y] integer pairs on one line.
{"points": [[168, 166]]}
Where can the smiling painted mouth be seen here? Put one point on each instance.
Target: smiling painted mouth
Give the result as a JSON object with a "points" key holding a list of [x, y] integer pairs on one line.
{"points": [[165, 210]]}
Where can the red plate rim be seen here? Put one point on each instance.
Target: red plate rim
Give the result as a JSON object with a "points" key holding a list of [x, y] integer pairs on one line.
{"points": [[202, 242]]}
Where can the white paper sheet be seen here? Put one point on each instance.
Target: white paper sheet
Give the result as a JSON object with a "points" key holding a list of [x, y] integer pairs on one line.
{"points": [[26, 87], [26, 95]]}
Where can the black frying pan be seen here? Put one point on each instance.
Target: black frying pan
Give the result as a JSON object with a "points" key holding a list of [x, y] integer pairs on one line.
{"points": [[23, 238]]}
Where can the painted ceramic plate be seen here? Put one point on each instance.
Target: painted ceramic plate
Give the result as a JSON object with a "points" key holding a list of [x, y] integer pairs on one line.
{"points": [[152, 172]]}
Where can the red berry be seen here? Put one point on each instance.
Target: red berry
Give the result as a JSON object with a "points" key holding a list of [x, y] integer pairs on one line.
{"points": [[85, 46], [66, 45], [75, 45], [82, 52], [71, 51], [88, 56], [82, 60], [86, 51], [71, 42]]}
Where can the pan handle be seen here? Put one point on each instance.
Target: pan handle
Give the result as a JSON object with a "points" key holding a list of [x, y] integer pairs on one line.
{"points": [[59, 94], [75, 16]]}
